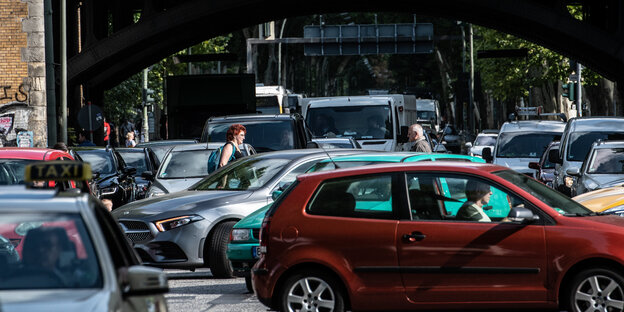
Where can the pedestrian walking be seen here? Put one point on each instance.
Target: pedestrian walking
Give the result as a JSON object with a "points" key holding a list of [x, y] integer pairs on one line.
{"points": [[235, 137]]}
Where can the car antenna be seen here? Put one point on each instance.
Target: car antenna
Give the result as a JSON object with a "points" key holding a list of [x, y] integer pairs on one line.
{"points": [[305, 122]]}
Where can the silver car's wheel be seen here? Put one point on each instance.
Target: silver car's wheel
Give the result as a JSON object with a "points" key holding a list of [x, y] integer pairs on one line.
{"points": [[598, 290], [313, 291]]}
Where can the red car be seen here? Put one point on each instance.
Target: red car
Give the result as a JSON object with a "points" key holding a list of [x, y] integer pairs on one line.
{"points": [[14, 159], [381, 238]]}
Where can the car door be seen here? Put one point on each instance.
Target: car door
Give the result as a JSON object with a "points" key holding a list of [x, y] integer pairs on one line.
{"points": [[355, 219], [447, 260]]}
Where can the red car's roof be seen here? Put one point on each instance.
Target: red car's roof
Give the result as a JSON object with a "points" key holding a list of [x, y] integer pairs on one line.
{"points": [[415, 166], [33, 153]]}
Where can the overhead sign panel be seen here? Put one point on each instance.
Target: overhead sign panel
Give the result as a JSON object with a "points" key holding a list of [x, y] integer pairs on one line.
{"points": [[369, 39]]}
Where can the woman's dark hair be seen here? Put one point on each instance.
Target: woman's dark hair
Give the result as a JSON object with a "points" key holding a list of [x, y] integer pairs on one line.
{"points": [[233, 131]]}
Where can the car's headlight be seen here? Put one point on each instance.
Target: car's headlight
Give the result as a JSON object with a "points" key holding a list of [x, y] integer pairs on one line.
{"points": [[240, 235], [617, 210], [568, 180], [154, 191], [108, 190], [172, 223]]}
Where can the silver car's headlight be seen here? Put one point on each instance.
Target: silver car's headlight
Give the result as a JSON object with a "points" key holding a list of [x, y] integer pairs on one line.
{"points": [[154, 191], [108, 190], [172, 223], [239, 235], [617, 210]]}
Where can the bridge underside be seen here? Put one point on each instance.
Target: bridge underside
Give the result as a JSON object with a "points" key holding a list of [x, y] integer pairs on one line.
{"points": [[109, 56]]}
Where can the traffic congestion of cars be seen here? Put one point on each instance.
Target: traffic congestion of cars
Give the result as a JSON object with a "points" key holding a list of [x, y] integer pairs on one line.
{"points": [[320, 223]]}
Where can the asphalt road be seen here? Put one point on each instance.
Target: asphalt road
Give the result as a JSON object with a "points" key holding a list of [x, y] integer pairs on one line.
{"points": [[199, 291]]}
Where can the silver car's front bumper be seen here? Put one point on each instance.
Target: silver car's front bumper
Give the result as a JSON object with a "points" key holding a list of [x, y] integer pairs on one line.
{"points": [[177, 248]]}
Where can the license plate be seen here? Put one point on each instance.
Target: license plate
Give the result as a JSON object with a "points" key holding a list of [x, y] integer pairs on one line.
{"points": [[254, 252]]}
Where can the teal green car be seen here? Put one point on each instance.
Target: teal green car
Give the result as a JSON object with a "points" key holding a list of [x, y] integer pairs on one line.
{"points": [[242, 249]]}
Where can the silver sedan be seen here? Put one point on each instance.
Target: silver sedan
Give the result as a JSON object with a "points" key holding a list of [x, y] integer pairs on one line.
{"points": [[191, 228]]}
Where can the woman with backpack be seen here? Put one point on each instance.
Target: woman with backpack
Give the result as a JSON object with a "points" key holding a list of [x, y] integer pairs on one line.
{"points": [[235, 137]]}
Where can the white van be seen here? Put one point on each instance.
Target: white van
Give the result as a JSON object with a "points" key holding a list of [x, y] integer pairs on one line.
{"points": [[524, 141], [271, 99], [576, 141], [374, 121], [428, 111]]}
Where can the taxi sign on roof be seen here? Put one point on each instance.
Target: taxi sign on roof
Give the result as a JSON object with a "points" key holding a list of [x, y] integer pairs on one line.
{"points": [[59, 170]]}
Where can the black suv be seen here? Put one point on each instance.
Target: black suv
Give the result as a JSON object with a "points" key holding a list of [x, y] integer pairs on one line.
{"points": [[264, 132], [113, 178]]}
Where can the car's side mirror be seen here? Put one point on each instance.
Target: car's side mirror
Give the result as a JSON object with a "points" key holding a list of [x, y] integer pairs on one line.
{"points": [[143, 280], [402, 137], [534, 165], [575, 172], [486, 154], [148, 175], [522, 215], [312, 144], [468, 145], [553, 157]]}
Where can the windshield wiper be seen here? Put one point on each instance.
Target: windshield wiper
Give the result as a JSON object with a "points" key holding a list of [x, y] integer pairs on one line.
{"points": [[584, 214]]}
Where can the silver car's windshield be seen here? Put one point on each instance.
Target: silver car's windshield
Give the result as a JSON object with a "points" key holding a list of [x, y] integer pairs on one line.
{"points": [[581, 142], [360, 122], [47, 251], [185, 164], [245, 174], [524, 144], [607, 161], [559, 202]]}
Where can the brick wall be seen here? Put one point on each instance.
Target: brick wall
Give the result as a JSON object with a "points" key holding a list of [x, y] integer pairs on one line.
{"points": [[22, 69]]}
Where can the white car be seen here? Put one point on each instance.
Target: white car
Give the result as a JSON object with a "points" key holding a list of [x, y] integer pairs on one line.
{"points": [[68, 254], [487, 138]]}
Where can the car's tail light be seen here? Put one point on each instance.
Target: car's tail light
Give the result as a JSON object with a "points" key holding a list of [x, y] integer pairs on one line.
{"points": [[264, 235]]}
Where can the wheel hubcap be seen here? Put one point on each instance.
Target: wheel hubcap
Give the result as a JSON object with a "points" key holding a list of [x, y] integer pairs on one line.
{"points": [[310, 294], [599, 293]]}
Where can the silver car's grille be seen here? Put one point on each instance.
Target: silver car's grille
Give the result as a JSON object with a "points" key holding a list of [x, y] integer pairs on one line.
{"points": [[136, 231], [134, 225]]}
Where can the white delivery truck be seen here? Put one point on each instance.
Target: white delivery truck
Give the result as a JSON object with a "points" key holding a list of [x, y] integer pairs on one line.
{"points": [[377, 122], [271, 99], [429, 113]]}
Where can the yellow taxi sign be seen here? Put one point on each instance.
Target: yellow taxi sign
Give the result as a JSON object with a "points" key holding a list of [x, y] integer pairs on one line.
{"points": [[57, 170]]}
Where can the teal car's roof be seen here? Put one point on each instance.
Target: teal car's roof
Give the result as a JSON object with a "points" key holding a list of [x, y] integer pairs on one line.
{"points": [[403, 157], [252, 220]]}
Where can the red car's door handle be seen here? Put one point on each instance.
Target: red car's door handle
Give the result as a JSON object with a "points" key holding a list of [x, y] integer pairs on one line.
{"points": [[414, 236]]}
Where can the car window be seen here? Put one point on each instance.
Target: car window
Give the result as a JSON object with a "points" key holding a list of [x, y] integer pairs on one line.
{"points": [[100, 162], [581, 142], [292, 175], [557, 201], [185, 164], [359, 197], [14, 170], [135, 160], [485, 140], [524, 144], [457, 197], [244, 174], [48, 250], [607, 161], [264, 135]]}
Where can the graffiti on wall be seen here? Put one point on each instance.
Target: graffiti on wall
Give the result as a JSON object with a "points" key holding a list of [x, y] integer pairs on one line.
{"points": [[19, 96], [13, 120]]}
